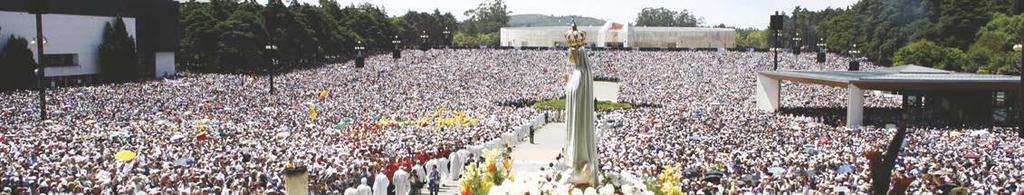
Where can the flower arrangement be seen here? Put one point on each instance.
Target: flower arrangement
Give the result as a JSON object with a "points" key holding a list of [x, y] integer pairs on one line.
{"points": [[669, 180], [494, 176], [479, 179]]}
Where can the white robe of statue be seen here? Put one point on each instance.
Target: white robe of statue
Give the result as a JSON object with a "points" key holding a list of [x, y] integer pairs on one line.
{"points": [[380, 185], [581, 148], [402, 184]]}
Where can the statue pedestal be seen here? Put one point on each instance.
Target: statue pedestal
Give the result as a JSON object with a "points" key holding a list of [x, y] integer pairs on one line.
{"points": [[296, 180]]}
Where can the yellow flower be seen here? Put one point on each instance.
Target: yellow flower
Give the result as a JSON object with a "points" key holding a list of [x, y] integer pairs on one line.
{"points": [[508, 164]]}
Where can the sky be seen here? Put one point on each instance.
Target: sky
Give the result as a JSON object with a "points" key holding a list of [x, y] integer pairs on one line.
{"points": [[736, 13]]}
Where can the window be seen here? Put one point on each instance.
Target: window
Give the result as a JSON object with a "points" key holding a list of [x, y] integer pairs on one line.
{"points": [[1000, 98], [57, 60]]}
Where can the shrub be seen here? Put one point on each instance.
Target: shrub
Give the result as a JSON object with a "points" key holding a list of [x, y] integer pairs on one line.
{"points": [[559, 104]]}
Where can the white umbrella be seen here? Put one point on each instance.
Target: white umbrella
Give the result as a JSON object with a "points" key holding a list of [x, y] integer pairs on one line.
{"points": [[979, 133], [283, 134]]}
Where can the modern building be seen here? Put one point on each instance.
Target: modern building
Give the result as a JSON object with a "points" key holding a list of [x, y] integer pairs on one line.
{"points": [[73, 31], [614, 35], [929, 94]]}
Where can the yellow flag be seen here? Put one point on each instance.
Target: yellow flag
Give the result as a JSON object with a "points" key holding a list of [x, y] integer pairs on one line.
{"points": [[312, 113], [324, 94]]}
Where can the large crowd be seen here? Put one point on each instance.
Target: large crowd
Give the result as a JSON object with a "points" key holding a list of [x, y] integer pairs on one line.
{"points": [[224, 133], [703, 118]]}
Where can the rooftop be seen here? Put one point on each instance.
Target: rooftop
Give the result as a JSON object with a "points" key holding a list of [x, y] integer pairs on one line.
{"points": [[906, 77]]}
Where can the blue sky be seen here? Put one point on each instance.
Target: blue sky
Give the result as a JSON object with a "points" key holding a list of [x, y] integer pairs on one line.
{"points": [[739, 13]]}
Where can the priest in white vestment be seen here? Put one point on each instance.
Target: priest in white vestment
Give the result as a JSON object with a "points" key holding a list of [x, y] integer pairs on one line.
{"points": [[363, 189], [401, 182], [380, 185]]}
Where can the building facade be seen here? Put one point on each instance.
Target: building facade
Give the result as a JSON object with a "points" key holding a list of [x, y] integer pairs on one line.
{"points": [[73, 31], [613, 35]]}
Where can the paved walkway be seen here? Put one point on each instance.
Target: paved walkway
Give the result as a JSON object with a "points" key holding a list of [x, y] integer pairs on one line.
{"points": [[604, 90], [548, 142]]}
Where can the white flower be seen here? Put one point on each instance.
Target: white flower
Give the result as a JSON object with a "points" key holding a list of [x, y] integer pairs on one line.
{"points": [[607, 190]]}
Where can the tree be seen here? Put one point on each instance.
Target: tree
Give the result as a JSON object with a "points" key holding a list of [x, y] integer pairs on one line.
{"points": [[118, 57], [241, 38], [756, 39], [928, 53], [18, 64], [198, 45], [664, 17], [959, 22], [486, 18], [413, 24], [369, 24], [991, 51]]}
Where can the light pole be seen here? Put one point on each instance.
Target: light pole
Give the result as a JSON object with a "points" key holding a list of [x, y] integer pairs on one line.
{"points": [[423, 39], [272, 50], [821, 50], [447, 37], [775, 49], [775, 27], [855, 56], [360, 60], [397, 53], [796, 44], [1020, 94], [855, 62], [39, 7]]}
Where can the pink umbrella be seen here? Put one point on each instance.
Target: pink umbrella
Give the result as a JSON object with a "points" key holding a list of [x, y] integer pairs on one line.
{"points": [[972, 155], [824, 140]]}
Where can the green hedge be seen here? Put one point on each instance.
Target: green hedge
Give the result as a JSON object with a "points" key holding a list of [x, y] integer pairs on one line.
{"points": [[559, 104]]}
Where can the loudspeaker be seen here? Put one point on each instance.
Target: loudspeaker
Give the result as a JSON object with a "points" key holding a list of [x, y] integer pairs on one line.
{"points": [[776, 23], [854, 66], [396, 54], [796, 49], [821, 57], [39, 6]]}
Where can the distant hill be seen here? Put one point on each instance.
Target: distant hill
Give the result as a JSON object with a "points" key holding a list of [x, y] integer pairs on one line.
{"points": [[525, 20]]}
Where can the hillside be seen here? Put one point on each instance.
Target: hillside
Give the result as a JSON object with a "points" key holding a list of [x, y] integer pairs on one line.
{"points": [[525, 20]]}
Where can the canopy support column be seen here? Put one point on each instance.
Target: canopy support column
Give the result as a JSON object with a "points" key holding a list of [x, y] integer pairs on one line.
{"points": [[767, 93], [854, 107]]}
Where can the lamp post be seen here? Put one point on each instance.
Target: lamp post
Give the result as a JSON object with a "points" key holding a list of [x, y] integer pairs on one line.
{"points": [[447, 37], [272, 50], [360, 61], [821, 50], [796, 44], [397, 53], [776, 38], [775, 49], [39, 7], [423, 39], [1020, 94], [855, 62]]}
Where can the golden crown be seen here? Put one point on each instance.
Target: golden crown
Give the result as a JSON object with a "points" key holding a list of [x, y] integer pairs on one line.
{"points": [[576, 38]]}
